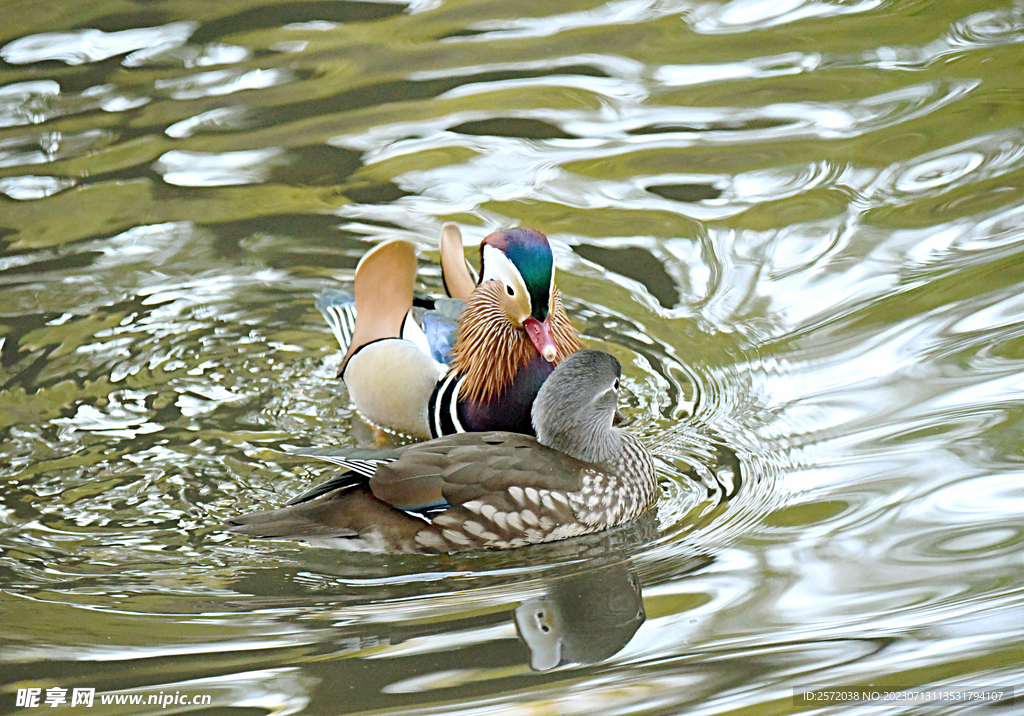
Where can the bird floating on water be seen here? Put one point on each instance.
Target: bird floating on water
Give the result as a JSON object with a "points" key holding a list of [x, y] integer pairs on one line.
{"points": [[511, 332], [486, 490]]}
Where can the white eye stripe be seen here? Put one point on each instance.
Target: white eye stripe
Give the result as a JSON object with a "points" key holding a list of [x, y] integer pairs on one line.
{"points": [[498, 267]]}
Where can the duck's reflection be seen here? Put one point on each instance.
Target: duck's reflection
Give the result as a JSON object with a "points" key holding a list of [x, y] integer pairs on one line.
{"points": [[583, 619], [443, 621]]}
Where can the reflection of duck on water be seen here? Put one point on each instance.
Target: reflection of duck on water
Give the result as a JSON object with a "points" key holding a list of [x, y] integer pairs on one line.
{"points": [[583, 619], [589, 616]]}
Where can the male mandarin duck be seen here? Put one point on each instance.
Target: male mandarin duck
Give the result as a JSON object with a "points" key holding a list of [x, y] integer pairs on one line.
{"points": [[511, 333], [486, 490]]}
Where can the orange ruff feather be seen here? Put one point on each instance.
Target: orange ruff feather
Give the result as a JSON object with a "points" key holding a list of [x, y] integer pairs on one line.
{"points": [[489, 350], [567, 338]]}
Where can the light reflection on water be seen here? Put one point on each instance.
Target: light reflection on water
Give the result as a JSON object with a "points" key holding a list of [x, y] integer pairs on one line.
{"points": [[796, 223]]}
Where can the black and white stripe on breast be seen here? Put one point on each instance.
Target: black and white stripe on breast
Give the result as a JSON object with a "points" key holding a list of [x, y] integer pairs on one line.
{"points": [[443, 407]]}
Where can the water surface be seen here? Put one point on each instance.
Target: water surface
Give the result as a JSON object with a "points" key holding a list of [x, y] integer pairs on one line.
{"points": [[799, 225]]}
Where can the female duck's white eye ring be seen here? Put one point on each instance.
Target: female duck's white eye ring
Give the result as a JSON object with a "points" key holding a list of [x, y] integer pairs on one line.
{"points": [[616, 384]]}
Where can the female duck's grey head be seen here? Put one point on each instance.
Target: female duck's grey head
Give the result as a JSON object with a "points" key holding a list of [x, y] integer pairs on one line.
{"points": [[575, 407]]}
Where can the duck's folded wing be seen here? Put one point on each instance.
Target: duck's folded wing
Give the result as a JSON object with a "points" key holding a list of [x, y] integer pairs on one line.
{"points": [[459, 468], [360, 465]]}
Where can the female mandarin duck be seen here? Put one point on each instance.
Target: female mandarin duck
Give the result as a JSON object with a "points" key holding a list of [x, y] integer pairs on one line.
{"points": [[489, 490], [511, 334]]}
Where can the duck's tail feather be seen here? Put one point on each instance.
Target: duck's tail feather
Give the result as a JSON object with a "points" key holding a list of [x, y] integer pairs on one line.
{"points": [[350, 519], [438, 316], [339, 310]]}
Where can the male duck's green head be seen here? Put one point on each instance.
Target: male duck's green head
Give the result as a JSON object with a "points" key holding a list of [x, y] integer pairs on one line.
{"points": [[530, 254], [522, 260]]}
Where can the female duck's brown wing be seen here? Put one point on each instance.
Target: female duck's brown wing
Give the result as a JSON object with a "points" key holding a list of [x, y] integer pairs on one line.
{"points": [[462, 468], [492, 490]]}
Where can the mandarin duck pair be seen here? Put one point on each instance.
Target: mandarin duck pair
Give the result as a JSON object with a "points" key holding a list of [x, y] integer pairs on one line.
{"points": [[524, 446]]}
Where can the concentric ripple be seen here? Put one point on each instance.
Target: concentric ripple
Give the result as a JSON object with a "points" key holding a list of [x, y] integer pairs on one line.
{"points": [[798, 224]]}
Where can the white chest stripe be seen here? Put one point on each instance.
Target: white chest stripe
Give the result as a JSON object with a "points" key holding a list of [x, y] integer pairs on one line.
{"points": [[439, 401], [453, 406], [448, 392]]}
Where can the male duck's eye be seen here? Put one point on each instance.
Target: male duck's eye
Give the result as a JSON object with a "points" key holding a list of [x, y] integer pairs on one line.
{"points": [[509, 290]]}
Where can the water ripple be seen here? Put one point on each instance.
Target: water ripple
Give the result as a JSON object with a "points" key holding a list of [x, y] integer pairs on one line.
{"points": [[52, 146], [27, 102], [989, 28], [83, 46], [222, 119], [978, 159], [506, 169], [188, 56], [738, 16], [28, 187], [798, 225], [790, 63], [184, 168], [216, 83], [617, 12]]}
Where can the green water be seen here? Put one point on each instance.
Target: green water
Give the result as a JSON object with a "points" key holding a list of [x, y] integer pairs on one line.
{"points": [[798, 224]]}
